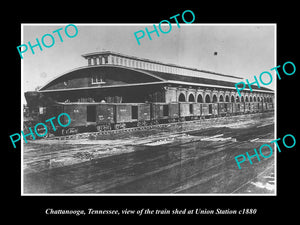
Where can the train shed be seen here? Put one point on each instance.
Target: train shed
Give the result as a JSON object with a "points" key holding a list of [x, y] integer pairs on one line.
{"points": [[117, 78]]}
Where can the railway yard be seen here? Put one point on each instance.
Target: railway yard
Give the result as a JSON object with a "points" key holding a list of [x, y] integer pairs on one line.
{"points": [[194, 157]]}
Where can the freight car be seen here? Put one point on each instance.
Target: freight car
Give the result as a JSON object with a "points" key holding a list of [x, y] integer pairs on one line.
{"points": [[112, 116]]}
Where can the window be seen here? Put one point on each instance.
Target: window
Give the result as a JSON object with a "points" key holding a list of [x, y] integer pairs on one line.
{"points": [[94, 79], [207, 99], [191, 98], [221, 99], [181, 97], [232, 98], [42, 110], [98, 79], [95, 61], [199, 98]]}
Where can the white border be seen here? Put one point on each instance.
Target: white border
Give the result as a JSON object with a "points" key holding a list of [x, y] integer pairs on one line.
{"points": [[147, 194]]}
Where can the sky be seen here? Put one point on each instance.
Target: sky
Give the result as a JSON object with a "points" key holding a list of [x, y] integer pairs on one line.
{"points": [[243, 50]]}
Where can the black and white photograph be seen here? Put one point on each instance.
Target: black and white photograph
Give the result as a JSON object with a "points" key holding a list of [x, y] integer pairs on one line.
{"points": [[150, 111], [120, 114]]}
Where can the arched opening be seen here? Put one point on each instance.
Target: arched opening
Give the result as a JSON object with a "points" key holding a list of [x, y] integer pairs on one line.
{"points": [[258, 99], [191, 98], [215, 99], [254, 99], [199, 98], [232, 98], [250, 98], [227, 98], [207, 99], [247, 99], [242, 99], [181, 97], [221, 98], [237, 99]]}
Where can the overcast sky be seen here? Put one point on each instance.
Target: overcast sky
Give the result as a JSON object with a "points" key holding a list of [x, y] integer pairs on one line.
{"points": [[242, 50]]}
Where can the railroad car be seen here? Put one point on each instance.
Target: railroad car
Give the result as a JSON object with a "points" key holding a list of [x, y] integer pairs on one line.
{"points": [[93, 116], [260, 106], [197, 109], [185, 109], [105, 117], [255, 107], [228, 108], [251, 107], [247, 107], [164, 112], [265, 106], [270, 106], [222, 109], [242, 107], [206, 110], [214, 109], [237, 107]]}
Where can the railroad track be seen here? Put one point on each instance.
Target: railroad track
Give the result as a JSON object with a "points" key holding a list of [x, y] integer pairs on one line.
{"points": [[141, 128], [35, 157], [255, 177], [183, 185], [112, 174], [98, 184]]}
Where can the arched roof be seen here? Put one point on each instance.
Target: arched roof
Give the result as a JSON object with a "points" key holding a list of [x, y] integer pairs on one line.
{"points": [[116, 75], [111, 74]]}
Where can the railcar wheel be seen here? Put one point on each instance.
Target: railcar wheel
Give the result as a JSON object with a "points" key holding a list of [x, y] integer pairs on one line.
{"points": [[46, 135], [182, 119]]}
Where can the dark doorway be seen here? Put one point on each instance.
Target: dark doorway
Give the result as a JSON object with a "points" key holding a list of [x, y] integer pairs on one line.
{"points": [[191, 109], [165, 110], [134, 112], [91, 113], [210, 108]]}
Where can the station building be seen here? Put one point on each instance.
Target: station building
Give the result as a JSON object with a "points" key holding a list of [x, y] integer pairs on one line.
{"points": [[118, 78]]}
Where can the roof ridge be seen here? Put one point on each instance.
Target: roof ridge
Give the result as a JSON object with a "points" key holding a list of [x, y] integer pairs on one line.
{"points": [[159, 62]]}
